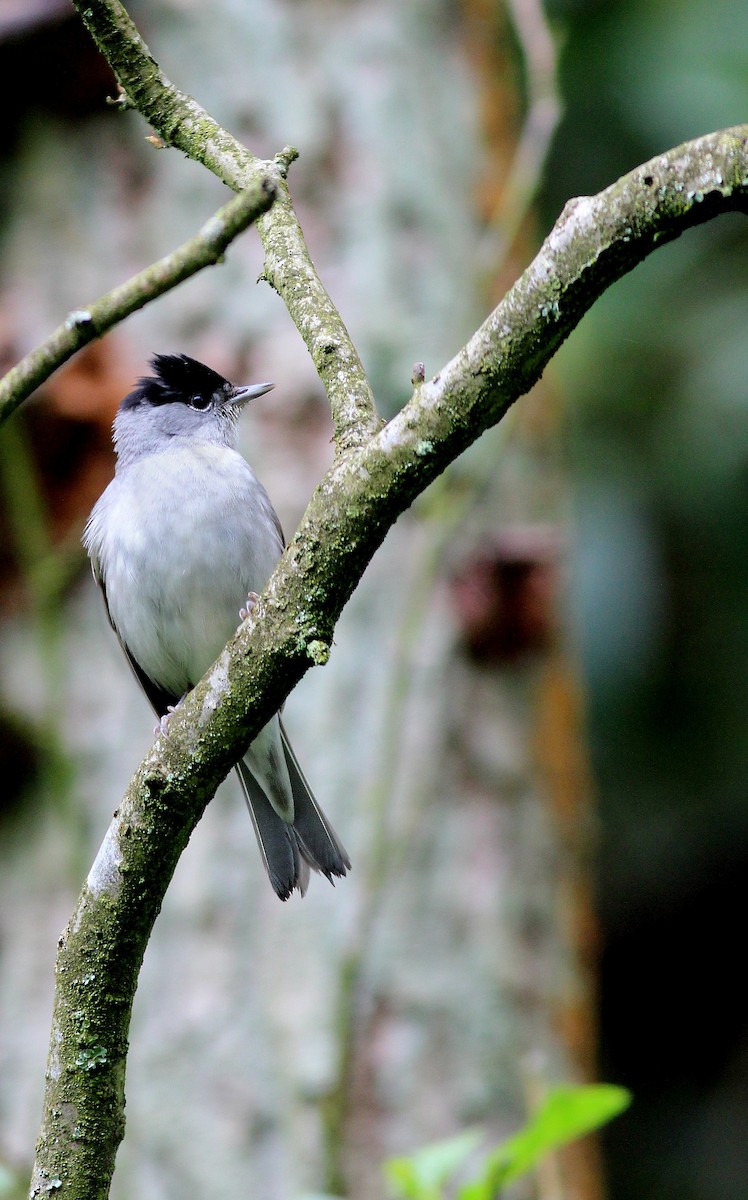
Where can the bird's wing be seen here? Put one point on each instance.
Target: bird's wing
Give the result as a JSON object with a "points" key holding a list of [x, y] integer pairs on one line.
{"points": [[159, 698], [278, 528]]}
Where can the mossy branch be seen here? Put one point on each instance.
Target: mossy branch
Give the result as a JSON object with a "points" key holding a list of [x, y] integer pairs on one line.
{"points": [[83, 325], [595, 241]]}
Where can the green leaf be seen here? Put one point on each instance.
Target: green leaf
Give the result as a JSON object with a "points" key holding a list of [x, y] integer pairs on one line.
{"points": [[421, 1176], [567, 1113]]}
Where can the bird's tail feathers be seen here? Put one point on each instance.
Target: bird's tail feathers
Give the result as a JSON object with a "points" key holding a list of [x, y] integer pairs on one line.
{"points": [[290, 850], [266, 760], [278, 846], [318, 842]]}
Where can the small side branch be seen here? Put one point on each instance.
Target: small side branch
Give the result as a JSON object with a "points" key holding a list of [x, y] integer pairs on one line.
{"points": [[82, 326], [181, 122], [544, 111], [290, 271]]}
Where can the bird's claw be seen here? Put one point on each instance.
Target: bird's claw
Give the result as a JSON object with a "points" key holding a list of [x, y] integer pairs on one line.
{"points": [[162, 729], [252, 598]]}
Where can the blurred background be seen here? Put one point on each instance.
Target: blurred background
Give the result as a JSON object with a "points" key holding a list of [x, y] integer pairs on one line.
{"points": [[530, 734]]}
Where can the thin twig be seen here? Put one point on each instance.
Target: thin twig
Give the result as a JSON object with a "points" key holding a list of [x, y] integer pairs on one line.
{"points": [[82, 326], [544, 111]]}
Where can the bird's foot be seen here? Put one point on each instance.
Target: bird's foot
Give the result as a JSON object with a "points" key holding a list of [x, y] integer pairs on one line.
{"points": [[162, 729], [244, 613]]}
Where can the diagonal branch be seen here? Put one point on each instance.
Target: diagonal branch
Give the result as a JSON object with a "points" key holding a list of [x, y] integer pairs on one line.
{"points": [[82, 326], [185, 124], [595, 241]]}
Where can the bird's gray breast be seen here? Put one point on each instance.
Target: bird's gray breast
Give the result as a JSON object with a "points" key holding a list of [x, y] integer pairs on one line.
{"points": [[179, 538]]}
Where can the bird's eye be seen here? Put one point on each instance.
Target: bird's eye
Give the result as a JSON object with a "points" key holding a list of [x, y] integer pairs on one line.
{"points": [[200, 402]]}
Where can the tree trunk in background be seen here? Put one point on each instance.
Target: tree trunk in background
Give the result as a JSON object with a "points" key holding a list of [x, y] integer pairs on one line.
{"points": [[450, 978]]}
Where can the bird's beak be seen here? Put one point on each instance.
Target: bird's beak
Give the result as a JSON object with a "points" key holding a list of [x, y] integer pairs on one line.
{"points": [[242, 395]]}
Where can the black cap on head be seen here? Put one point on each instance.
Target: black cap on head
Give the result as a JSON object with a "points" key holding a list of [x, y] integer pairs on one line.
{"points": [[176, 379]]}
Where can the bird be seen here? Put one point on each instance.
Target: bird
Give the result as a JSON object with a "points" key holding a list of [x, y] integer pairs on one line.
{"points": [[180, 543]]}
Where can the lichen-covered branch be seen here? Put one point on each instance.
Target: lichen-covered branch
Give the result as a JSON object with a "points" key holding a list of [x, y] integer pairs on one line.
{"points": [[91, 321], [595, 241], [181, 122]]}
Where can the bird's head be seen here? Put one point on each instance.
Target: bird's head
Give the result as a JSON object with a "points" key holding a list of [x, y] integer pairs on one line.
{"points": [[183, 399]]}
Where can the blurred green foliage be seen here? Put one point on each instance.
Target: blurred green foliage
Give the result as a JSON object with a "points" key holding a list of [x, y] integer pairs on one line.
{"points": [[566, 1114]]}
